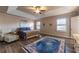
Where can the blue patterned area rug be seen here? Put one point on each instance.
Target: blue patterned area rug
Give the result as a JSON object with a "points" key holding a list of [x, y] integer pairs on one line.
{"points": [[46, 45]]}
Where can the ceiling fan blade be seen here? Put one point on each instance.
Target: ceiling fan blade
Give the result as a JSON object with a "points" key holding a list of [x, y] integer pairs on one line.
{"points": [[30, 7], [43, 8]]}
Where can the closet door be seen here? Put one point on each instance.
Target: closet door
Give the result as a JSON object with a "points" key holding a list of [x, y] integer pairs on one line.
{"points": [[74, 25]]}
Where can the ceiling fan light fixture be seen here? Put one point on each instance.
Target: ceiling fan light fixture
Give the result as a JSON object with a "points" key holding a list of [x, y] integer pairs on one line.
{"points": [[39, 9]]}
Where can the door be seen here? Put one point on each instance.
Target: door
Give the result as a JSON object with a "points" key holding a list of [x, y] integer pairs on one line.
{"points": [[74, 25]]}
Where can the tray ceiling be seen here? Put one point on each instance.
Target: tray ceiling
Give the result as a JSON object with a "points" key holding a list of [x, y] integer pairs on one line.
{"points": [[25, 12]]}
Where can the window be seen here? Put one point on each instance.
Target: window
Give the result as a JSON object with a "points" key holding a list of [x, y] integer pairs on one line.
{"points": [[24, 24], [61, 24], [31, 25], [38, 25], [27, 24]]}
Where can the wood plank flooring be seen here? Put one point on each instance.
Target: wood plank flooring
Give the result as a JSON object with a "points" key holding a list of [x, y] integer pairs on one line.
{"points": [[16, 47], [69, 46]]}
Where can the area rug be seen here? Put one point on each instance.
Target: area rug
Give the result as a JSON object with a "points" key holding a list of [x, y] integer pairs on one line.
{"points": [[46, 45]]}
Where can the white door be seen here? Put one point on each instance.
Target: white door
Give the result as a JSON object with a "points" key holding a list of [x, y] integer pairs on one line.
{"points": [[74, 25]]}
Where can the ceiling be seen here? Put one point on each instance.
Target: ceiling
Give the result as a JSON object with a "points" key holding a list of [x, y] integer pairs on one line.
{"points": [[25, 12], [28, 9]]}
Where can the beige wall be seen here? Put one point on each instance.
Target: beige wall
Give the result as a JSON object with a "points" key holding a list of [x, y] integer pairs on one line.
{"points": [[52, 29], [9, 22]]}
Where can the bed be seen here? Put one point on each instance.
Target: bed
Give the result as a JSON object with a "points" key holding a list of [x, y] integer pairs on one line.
{"points": [[45, 45], [29, 33]]}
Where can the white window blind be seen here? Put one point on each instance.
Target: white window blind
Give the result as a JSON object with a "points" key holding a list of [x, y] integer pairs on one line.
{"points": [[61, 24]]}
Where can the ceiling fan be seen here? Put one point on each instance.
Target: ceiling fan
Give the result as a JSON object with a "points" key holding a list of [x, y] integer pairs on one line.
{"points": [[38, 9]]}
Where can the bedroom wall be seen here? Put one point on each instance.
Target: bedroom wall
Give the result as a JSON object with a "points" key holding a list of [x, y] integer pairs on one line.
{"points": [[51, 29], [9, 22]]}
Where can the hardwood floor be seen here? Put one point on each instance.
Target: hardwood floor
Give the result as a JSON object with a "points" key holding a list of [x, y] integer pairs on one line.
{"points": [[69, 46], [9, 48], [16, 47]]}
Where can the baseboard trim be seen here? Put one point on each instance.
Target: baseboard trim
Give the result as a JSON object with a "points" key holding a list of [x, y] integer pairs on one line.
{"points": [[47, 34]]}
